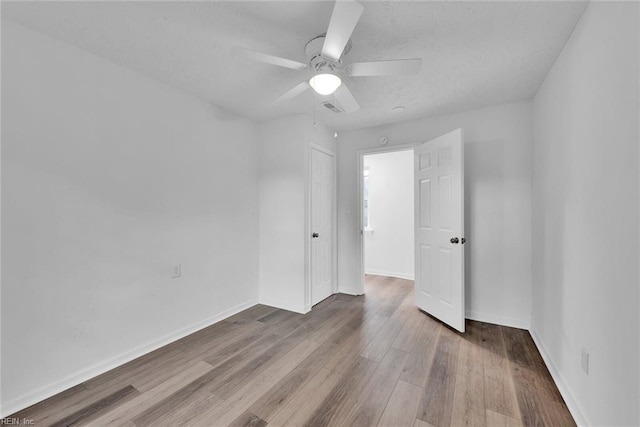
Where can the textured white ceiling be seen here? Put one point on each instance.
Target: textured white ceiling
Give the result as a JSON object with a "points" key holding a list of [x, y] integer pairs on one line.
{"points": [[475, 54]]}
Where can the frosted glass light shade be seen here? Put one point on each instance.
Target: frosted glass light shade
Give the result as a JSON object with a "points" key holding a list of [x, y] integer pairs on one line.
{"points": [[325, 84]]}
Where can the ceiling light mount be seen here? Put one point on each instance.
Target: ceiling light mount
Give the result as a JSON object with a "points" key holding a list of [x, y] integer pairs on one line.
{"points": [[325, 79]]}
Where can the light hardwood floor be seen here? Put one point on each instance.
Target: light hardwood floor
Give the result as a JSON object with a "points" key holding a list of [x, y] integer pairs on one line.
{"points": [[353, 361]]}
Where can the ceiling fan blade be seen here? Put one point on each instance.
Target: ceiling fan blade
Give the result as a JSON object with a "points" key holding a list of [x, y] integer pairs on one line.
{"points": [[346, 100], [292, 93], [384, 68], [269, 59], [344, 18]]}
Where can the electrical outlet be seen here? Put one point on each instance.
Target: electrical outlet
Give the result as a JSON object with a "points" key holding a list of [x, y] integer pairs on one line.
{"points": [[585, 360], [177, 271]]}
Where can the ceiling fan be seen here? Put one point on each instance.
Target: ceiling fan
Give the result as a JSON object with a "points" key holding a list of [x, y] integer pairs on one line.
{"points": [[325, 53]]}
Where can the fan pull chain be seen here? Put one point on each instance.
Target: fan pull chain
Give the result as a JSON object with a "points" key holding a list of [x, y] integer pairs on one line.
{"points": [[314, 112]]}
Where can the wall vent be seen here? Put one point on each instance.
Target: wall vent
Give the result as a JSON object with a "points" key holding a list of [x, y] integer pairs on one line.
{"points": [[333, 107]]}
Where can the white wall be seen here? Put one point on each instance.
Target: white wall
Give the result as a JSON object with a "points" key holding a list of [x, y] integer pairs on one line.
{"points": [[388, 243], [497, 205], [108, 179], [585, 223], [284, 209]]}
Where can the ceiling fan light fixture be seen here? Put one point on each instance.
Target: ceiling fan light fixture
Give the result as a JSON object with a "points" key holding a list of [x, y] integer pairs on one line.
{"points": [[325, 84]]}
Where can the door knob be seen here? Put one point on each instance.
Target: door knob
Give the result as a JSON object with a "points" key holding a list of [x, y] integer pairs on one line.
{"points": [[462, 240], [454, 240], [314, 235]]}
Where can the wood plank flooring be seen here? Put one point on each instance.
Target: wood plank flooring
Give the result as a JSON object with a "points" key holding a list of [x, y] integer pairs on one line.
{"points": [[353, 361]]}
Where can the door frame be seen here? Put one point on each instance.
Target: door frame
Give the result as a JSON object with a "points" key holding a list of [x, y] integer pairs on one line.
{"points": [[360, 179], [334, 224]]}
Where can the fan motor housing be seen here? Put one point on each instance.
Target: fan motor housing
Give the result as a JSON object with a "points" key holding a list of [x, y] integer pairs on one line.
{"points": [[317, 62]]}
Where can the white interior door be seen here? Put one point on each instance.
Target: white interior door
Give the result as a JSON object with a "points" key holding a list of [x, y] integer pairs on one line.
{"points": [[322, 187], [439, 228]]}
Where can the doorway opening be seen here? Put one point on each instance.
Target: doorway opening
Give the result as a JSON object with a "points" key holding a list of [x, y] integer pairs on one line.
{"points": [[437, 220], [387, 206]]}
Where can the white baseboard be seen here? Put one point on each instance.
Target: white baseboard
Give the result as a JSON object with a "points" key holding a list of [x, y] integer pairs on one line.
{"points": [[349, 291], [389, 274], [285, 306], [565, 391], [498, 320], [86, 374]]}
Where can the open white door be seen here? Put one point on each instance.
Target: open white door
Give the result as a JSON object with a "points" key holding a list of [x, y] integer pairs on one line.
{"points": [[439, 228]]}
